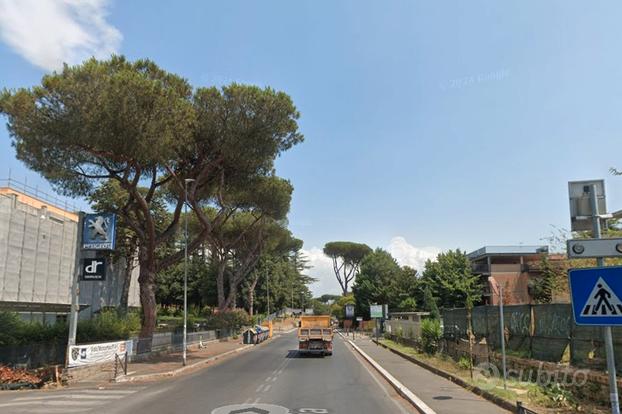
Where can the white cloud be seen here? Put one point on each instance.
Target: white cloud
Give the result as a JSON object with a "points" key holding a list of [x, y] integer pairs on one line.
{"points": [[321, 266], [408, 255], [49, 33]]}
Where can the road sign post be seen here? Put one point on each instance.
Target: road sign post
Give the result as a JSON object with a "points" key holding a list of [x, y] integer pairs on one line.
{"points": [[611, 363], [375, 311], [596, 292]]}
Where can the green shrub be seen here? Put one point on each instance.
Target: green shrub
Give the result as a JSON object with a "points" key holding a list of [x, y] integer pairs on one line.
{"points": [[108, 325], [233, 320], [464, 362], [15, 331], [431, 334], [11, 326]]}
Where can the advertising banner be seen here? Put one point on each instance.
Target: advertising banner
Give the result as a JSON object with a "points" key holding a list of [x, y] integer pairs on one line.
{"points": [[349, 311], [80, 355]]}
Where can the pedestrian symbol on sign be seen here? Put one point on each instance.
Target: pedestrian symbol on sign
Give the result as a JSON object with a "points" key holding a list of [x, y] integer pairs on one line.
{"points": [[602, 301]]}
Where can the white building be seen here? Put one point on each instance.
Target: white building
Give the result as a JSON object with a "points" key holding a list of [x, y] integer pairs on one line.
{"points": [[37, 256]]}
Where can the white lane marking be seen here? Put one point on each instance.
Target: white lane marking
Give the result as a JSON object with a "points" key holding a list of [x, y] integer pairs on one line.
{"points": [[76, 403], [259, 388], [268, 379], [274, 379], [71, 397], [55, 410], [16, 404], [108, 391], [256, 400], [267, 388]]}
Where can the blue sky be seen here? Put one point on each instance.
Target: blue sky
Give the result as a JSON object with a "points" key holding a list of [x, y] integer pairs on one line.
{"points": [[429, 125]]}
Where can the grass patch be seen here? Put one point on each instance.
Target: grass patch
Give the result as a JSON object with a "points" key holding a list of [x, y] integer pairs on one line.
{"points": [[552, 398]]}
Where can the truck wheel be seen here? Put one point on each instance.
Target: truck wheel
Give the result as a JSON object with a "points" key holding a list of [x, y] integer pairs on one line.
{"points": [[329, 353]]}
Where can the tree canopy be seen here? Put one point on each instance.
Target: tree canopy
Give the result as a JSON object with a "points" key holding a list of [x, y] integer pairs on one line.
{"points": [[346, 257], [381, 281], [451, 280], [148, 131]]}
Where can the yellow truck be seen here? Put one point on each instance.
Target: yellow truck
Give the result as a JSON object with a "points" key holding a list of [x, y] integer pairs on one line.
{"points": [[315, 335]]}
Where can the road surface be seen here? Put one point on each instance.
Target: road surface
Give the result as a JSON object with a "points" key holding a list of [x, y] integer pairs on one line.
{"points": [[272, 378]]}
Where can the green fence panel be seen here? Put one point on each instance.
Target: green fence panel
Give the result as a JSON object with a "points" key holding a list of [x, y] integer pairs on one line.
{"points": [[553, 328], [454, 323], [494, 330], [480, 327], [517, 321], [588, 350]]}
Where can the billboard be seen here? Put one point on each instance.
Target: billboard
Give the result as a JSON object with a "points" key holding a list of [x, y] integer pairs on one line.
{"points": [[99, 231], [375, 311]]}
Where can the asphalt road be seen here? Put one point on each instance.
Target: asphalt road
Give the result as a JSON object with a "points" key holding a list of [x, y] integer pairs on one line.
{"points": [[272, 378]]}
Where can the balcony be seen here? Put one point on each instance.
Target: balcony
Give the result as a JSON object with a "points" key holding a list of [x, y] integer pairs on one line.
{"points": [[483, 268]]}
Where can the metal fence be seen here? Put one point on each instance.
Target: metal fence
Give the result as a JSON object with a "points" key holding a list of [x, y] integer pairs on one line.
{"points": [[37, 355], [542, 332], [173, 341], [33, 355], [403, 328]]}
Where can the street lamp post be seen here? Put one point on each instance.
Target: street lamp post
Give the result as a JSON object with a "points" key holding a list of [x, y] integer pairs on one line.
{"points": [[185, 342], [268, 292]]}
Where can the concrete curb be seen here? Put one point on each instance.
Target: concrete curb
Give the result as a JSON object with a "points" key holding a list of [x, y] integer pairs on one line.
{"points": [[506, 405], [399, 387], [167, 374]]}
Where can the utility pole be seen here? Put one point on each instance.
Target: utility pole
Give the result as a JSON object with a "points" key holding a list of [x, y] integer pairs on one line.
{"points": [[185, 341], [600, 262], [75, 290]]}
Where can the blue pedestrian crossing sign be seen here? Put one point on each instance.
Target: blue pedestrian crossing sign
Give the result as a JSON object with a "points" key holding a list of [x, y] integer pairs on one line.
{"points": [[595, 295]]}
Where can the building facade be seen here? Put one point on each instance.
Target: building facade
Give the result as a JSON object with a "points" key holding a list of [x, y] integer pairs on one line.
{"points": [[37, 256], [509, 267]]}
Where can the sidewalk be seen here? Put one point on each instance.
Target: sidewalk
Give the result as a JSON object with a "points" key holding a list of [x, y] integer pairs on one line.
{"points": [[170, 364], [440, 394]]}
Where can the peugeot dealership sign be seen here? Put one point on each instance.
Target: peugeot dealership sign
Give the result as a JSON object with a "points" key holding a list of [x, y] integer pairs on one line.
{"points": [[98, 231]]}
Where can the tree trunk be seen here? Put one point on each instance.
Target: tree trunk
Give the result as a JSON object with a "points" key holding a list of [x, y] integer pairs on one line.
{"points": [[147, 281], [233, 294], [220, 284], [127, 280], [251, 301], [233, 290], [251, 294], [469, 315]]}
